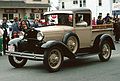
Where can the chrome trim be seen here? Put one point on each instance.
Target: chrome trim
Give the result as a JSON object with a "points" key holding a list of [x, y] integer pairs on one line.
{"points": [[26, 55]]}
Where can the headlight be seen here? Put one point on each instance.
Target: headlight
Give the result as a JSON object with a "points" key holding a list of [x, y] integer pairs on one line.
{"points": [[11, 48], [40, 36], [21, 35]]}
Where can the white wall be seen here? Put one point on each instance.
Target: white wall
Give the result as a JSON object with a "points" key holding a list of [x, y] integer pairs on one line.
{"points": [[68, 4], [92, 5]]}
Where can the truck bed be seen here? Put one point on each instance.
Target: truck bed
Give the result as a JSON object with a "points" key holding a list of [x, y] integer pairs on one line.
{"points": [[102, 26]]}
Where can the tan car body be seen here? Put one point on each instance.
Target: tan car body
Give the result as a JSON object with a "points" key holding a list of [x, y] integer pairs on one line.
{"points": [[53, 42], [86, 34]]}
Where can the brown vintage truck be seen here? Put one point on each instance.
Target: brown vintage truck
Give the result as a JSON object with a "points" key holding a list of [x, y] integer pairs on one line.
{"points": [[67, 33]]}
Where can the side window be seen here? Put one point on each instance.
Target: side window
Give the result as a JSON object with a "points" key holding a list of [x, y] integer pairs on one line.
{"points": [[83, 20], [63, 5]]}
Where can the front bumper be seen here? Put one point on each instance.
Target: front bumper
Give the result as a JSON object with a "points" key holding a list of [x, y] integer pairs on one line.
{"points": [[26, 55]]}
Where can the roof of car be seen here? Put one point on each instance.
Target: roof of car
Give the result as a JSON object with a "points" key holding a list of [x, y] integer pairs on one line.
{"points": [[69, 11]]}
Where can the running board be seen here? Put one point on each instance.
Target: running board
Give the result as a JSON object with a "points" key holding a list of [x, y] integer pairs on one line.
{"points": [[86, 54]]}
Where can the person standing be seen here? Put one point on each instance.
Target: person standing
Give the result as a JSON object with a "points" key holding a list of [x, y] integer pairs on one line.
{"points": [[99, 20], [15, 27], [23, 26], [93, 21], [36, 21], [5, 37], [1, 41], [27, 22], [107, 19], [116, 26]]}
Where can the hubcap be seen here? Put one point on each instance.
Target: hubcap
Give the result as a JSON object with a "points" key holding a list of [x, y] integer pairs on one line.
{"points": [[106, 51], [55, 58], [72, 44]]}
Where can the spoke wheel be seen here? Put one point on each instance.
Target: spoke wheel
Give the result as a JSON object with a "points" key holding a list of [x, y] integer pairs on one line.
{"points": [[105, 53], [72, 44], [16, 62], [53, 59]]}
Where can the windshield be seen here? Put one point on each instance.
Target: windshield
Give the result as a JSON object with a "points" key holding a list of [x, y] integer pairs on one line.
{"points": [[59, 19]]}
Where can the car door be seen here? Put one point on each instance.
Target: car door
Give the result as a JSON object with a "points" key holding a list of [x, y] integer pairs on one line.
{"points": [[83, 29]]}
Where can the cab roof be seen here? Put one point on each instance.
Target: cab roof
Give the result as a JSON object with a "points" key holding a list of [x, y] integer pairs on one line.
{"points": [[69, 11]]}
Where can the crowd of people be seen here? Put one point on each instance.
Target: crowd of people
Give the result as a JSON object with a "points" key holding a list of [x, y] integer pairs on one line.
{"points": [[17, 26], [100, 20], [109, 20]]}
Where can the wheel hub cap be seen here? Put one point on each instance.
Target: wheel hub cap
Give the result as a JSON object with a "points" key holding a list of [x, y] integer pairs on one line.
{"points": [[106, 51], [55, 58], [72, 44]]}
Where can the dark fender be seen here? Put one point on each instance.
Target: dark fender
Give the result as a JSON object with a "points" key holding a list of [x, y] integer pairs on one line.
{"points": [[109, 38], [100, 38], [69, 34], [14, 41], [60, 44]]}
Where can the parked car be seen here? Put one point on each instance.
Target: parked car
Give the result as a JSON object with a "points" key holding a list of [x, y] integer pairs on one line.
{"points": [[68, 33]]}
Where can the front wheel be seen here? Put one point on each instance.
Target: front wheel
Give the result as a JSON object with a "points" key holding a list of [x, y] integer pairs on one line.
{"points": [[17, 62], [53, 59], [105, 51]]}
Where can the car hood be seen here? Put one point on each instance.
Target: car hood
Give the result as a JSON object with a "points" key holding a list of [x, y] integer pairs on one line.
{"points": [[54, 28], [54, 32]]}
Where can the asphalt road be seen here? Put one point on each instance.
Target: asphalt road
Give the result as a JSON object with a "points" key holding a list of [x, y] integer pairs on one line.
{"points": [[82, 69]]}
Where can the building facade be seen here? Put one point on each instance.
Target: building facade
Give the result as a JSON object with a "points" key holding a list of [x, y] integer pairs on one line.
{"points": [[20, 8], [98, 7], [116, 7]]}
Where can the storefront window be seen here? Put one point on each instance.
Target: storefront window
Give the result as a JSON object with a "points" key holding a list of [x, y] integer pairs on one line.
{"points": [[42, 16], [5, 15], [10, 16], [32, 16]]}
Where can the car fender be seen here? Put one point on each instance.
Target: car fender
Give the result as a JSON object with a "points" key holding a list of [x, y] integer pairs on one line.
{"points": [[109, 38], [100, 38], [67, 35], [65, 49], [14, 41]]}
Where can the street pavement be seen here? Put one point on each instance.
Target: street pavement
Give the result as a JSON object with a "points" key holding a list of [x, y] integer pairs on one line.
{"points": [[81, 69]]}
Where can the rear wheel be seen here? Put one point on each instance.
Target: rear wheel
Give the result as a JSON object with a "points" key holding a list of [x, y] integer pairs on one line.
{"points": [[72, 41], [72, 44], [105, 52], [53, 59]]}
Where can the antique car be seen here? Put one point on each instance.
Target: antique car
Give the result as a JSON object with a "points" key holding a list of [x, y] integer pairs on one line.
{"points": [[67, 33]]}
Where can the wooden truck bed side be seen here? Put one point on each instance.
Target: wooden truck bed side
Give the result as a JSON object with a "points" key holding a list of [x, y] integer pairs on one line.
{"points": [[102, 26], [101, 29]]}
